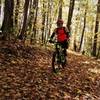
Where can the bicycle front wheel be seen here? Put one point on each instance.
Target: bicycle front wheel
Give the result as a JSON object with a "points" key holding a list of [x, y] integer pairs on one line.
{"points": [[55, 62]]}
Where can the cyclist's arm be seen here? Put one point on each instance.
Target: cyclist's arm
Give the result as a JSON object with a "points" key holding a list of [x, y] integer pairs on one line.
{"points": [[53, 34], [67, 32]]}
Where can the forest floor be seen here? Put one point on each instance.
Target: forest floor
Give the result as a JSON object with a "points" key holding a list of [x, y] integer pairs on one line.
{"points": [[26, 74]]}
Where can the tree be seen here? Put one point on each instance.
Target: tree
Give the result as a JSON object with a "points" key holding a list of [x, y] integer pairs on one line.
{"points": [[35, 17], [0, 7], [50, 16], [24, 27], [60, 9], [7, 26], [70, 14], [17, 15], [80, 46], [94, 52], [47, 21], [32, 20], [43, 19], [98, 53], [31, 16]]}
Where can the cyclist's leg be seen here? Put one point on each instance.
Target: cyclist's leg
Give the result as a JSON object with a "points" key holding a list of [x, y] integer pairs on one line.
{"points": [[58, 55], [65, 53], [64, 48]]}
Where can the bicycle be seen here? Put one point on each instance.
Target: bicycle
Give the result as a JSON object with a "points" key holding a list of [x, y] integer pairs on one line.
{"points": [[59, 58]]}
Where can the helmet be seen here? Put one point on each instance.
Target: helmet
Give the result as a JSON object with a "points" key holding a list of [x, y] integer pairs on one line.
{"points": [[59, 21]]}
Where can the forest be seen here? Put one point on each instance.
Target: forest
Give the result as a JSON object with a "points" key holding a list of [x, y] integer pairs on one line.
{"points": [[25, 52], [34, 20]]}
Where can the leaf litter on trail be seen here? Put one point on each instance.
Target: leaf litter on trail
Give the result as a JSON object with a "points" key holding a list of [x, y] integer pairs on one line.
{"points": [[24, 74]]}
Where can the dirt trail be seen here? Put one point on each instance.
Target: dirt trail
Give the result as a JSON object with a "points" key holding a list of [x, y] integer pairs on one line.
{"points": [[26, 74]]}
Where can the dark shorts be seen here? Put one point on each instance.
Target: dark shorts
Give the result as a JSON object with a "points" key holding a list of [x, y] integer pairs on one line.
{"points": [[64, 44]]}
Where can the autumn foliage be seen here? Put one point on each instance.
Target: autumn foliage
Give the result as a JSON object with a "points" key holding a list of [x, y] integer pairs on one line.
{"points": [[26, 73]]}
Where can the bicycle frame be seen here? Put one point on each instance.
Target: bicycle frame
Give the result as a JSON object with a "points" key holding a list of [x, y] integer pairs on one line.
{"points": [[58, 56]]}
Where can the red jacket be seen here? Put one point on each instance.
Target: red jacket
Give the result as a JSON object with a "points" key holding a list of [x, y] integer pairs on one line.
{"points": [[62, 34]]}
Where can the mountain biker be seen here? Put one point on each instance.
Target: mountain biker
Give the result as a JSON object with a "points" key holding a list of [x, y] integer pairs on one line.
{"points": [[62, 35]]}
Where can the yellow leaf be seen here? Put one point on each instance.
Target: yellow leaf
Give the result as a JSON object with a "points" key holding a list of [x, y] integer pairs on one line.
{"points": [[13, 62]]}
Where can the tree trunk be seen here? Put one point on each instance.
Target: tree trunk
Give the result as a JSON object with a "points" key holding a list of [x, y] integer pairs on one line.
{"points": [[48, 19], [7, 26], [98, 53], [17, 15], [50, 15], [74, 37], [43, 26], [35, 18], [43, 21], [81, 42], [70, 14], [94, 52], [0, 7], [26, 5], [31, 17], [60, 9], [74, 44]]}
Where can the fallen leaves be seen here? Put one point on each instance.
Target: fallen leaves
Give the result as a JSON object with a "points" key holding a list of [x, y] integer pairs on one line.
{"points": [[25, 75]]}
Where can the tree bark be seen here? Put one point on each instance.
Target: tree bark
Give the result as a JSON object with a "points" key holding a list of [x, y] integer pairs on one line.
{"points": [[48, 18], [98, 53], [81, 42], [60, 9], [43, 21], [26, 5], [70, 14], [0, 7], [35, 18], [94, 52], [31, 16], [75, 46], [7, 26], [50, 15], [17, 15]]}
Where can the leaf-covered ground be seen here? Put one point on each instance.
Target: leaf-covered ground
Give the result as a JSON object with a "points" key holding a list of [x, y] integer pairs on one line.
{"points": [[26, 74]]}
